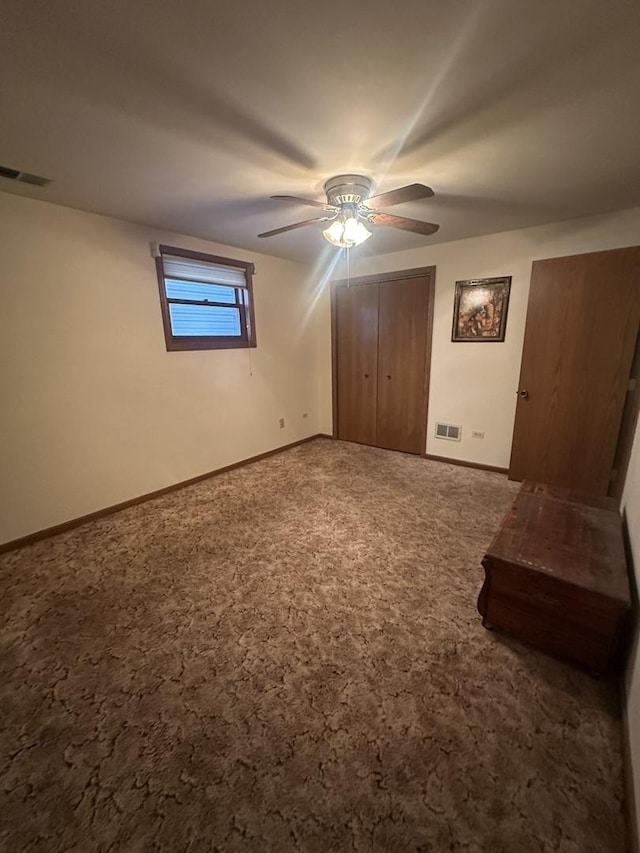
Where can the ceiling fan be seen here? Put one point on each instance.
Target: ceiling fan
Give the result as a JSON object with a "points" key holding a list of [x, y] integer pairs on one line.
{"points": [[348, 207]]}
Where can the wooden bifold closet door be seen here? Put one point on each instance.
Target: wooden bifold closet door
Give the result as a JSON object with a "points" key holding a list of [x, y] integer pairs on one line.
{"points": [[357, 364], [382, 344]]}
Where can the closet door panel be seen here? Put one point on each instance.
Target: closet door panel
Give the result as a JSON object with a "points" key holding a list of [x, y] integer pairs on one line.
{"points": [[403, 337], [357, 362]]}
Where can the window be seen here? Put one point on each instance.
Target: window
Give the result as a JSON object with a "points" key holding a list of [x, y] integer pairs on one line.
{"points": [[207, 302]]}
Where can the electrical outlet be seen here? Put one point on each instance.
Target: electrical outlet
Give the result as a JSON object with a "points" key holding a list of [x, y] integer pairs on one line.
{"points": [[305, 414], [475, 433], [281, 423]]}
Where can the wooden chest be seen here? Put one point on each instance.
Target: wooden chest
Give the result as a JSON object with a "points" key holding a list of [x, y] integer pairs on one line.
{"points": [[556, 576]]}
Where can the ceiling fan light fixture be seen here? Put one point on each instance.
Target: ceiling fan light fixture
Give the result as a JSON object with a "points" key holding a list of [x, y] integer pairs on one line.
{"points": [[347, 233], [334, 232], [355, 231], [350, 207]]}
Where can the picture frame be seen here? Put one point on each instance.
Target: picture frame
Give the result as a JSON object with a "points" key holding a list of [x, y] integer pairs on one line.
{"points": [[480, 310]]}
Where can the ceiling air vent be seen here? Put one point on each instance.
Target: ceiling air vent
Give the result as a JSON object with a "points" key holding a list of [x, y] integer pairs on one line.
{"points": [[23, 177], [452, 432]]}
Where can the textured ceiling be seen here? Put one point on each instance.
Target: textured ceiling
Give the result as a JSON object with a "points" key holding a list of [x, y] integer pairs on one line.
{"points": [[189, 115]]}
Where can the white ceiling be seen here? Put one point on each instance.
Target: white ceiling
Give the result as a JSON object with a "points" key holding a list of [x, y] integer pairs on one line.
{"points": [[189, 115]]}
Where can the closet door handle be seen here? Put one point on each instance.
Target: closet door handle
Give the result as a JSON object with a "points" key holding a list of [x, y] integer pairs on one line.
{"points": [[366, 376], [388, 377]]}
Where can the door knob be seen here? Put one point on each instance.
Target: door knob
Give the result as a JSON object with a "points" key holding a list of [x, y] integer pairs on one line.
{"points": [[523, 393], [366, 376]]}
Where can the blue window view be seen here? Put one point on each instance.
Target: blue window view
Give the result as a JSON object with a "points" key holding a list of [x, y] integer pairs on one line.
{"points": [[203, 320], [200, 292]]}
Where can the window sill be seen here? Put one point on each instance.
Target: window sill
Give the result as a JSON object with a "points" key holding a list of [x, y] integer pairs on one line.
{"points": [[194, 344]]}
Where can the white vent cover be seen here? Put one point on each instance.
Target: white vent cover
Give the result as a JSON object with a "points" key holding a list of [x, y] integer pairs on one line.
{"points": [[452, 432], [24, 177]]}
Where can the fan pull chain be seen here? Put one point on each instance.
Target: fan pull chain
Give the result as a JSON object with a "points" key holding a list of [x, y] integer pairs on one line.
{"points": [[348, 251]]}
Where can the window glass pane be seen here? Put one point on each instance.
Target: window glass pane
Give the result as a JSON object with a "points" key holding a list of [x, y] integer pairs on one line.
{"points": [[188, 320], [188, 290]]}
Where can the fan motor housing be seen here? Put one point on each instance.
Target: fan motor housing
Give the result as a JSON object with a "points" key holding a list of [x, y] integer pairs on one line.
{"points": [[348, 189]]}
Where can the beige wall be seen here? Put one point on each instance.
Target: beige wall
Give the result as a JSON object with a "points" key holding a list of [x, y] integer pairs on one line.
{"points": [[98, 412], [475, 384], [631, 509], [94, 410]]}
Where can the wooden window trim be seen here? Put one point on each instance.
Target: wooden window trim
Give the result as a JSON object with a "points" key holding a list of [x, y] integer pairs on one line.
{"points": [[180, 343]]}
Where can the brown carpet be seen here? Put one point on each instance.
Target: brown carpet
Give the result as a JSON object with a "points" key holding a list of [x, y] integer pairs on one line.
{"points": [[288, 657]]}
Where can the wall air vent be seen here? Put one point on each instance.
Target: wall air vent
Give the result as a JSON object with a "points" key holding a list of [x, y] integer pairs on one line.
{"points": [[452, 432], [23, 177]]}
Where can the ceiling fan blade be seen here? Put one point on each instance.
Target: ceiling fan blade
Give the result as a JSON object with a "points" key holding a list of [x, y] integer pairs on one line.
{"points": [[415, 225], [295, 225], [308, 201], [412, 192]]}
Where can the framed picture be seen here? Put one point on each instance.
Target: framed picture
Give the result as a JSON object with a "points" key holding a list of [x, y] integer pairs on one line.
{"points": [[480, 309]]}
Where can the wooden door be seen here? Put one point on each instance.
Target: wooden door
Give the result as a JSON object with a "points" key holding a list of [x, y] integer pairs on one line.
{"points": [[582, 323], [630, 413], [356, 355], [404, 332]]}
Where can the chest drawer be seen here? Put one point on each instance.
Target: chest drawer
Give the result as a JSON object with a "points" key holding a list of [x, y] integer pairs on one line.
{"points": [[556, 577], [557, 619]]}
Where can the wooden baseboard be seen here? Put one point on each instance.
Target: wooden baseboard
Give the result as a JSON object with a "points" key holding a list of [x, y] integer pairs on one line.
{"points": [[466, 464], [101, 513]]}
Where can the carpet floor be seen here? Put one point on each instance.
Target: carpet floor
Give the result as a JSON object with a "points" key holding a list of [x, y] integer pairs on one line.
{"points": [[288, 657]]}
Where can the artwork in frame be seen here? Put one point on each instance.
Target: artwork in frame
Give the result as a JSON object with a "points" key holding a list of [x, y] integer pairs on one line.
{"points": [[480, 309]]}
